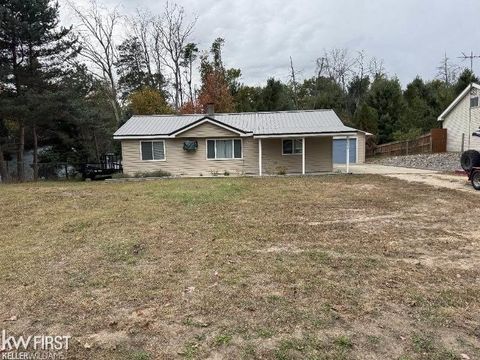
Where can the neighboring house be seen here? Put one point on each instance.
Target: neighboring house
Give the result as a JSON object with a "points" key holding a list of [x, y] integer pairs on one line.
{"points": [[297, 142], [461, 119]]}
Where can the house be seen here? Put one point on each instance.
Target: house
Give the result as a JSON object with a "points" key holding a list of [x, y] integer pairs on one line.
{"points": [[295, 142], [462, 118]]}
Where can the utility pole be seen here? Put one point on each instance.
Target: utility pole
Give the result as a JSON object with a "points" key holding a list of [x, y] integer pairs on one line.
{"points": [[471, 57]]}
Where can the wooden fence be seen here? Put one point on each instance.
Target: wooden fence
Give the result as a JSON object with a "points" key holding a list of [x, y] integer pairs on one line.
{"points": [[433, 142]]}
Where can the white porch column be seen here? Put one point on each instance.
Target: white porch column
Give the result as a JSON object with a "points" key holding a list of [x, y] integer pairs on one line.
{"points": [[348, 154], [260, 157], [303, 156]]}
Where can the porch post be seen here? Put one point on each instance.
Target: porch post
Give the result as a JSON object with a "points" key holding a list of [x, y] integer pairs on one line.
{"points": [[348, 154], [260, 157], [303, 156]]}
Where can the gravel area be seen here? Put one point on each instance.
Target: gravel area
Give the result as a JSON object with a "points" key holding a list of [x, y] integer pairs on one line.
{"points": [[438, 162]]}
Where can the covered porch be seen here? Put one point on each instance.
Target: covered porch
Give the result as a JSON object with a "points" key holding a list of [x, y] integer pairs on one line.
{"points": [[301, 154]]}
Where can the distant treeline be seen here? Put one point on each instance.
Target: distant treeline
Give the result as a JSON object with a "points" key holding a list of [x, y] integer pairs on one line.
{"points": [[68, 89]]}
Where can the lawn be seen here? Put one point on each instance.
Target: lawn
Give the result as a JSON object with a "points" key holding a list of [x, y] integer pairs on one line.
{"points": [[330, 267]]}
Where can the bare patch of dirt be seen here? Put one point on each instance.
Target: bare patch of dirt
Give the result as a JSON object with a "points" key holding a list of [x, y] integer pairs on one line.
{"points": [[335, 267]]}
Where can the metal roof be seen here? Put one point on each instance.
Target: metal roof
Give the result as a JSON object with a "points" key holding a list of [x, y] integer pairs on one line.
{"points": [[259, 123]]}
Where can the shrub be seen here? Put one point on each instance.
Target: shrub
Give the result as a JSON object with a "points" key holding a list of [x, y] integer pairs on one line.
{"points": [[155, 173]]}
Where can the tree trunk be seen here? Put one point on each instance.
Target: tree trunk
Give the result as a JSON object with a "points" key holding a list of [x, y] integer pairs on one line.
{"points": [[20, 150], [35, 153], [95, 141], [3, 167]]}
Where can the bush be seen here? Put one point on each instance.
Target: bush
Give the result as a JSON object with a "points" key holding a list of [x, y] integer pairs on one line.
{"points": [[121, 176], [155, 173]]}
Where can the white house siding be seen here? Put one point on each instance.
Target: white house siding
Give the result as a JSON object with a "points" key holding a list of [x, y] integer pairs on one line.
{"points": [[456, 123]]}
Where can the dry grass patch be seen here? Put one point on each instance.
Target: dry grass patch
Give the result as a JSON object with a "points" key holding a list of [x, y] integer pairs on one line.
{"points": [[333, 267]]}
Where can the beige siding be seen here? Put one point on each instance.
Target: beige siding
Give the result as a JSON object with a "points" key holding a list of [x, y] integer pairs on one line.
{"points": [[456, 123], [360, 148], [207, 130], [179, 162], [318, 156]]}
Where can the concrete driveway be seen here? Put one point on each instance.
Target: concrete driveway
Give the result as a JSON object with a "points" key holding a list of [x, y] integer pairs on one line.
{"points": [[429, 177]]}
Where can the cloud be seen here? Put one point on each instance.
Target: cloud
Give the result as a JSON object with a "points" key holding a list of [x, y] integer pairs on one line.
{"points": [[411, 36]]}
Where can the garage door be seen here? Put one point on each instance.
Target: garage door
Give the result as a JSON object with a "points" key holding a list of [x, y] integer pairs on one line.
{"points": [[340, 148]]}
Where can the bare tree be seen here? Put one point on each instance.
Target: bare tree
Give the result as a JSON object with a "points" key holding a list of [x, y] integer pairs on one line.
{"points": [[447, 71], [376, 68], [140, 25], [96, 33], [337, 65], [171, 33], [360, 64], [294, 83]]}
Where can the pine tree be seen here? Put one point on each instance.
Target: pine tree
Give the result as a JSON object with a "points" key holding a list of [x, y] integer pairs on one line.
{"points": [[32, 52]]}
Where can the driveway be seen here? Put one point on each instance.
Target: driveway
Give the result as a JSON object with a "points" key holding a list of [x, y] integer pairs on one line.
{"points": [[429, 177]]}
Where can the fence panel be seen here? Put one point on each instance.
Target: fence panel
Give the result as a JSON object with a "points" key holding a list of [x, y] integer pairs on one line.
{"points": [[432, 142]]}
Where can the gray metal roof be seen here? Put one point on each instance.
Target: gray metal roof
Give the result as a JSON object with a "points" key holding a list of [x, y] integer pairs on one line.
{"points": [[259, 123]]}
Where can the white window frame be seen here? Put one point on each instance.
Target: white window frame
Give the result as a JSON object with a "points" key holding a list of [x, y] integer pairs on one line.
{"points": [[293, 146], [233, 149], [152, 141]]}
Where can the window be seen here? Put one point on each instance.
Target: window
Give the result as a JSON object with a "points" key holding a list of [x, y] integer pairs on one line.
{"points": [[292, 147], [474, 101], [153, 150], [224, 149]]}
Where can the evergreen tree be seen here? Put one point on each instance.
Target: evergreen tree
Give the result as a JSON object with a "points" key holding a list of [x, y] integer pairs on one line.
{"points": [[466, 78], [134, 70], [32, 53], [386, 98]]}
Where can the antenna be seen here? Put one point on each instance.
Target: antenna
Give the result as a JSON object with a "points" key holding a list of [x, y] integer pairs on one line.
{"points": [[471, 57]]}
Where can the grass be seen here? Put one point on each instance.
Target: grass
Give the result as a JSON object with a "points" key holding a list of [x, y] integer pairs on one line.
{"points": [[332, 267]]}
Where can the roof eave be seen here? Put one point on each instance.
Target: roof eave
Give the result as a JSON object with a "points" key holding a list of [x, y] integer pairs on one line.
{"points": [[456, 101]]}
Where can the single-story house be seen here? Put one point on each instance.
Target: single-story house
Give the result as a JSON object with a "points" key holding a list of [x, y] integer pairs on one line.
{"points": [[295, 142], [462, 118]]}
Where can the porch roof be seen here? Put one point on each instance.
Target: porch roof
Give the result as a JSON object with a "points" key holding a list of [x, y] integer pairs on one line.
{"points": [[258, 124]]}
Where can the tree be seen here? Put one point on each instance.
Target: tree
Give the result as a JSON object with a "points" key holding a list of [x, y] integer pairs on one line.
{"points": [[321, 93], [190, 54], [171, 33], [386, 98], [248, 99], [97, 38], [357, 91], [215, 85], [366, 118], [33, 51], [134, 69], [466, 78], [3, 140], [447, 71], [148, 101], [215, 91]]}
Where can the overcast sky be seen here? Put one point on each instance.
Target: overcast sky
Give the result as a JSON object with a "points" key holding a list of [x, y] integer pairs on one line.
{"points": [[410, 36]]}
